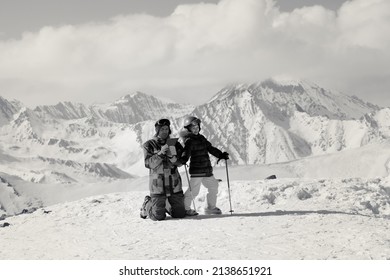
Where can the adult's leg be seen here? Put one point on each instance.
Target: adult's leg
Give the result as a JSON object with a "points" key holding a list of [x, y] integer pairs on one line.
{"points": [[177, 209], [156, 208], [192, 191]]}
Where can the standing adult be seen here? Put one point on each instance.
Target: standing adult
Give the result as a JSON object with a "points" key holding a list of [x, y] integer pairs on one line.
{"points": [[161, 158]]}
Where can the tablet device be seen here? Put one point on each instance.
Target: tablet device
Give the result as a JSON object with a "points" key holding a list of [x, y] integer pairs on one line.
{"points": [[172, 141]]}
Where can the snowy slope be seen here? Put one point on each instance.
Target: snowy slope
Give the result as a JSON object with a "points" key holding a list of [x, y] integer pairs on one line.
{"points": [[278, 219], [80, 149], [7, 110], [12, 199], [371, 161], [382, 120], [325, 135]]}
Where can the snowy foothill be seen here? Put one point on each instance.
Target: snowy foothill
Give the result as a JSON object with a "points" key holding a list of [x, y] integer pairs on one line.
{"points": [[290, 217]]}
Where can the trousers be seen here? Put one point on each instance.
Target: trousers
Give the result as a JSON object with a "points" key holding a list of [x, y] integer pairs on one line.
{"points": [[212, 187], [157, 207]]}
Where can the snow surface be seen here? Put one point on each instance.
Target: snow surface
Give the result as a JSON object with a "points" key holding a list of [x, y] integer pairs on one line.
{"points": [[292, 217], [281, 219]]}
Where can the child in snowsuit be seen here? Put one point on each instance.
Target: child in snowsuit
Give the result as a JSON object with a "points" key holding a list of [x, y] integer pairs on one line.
{"points": [[164, 178], [197, 147]]}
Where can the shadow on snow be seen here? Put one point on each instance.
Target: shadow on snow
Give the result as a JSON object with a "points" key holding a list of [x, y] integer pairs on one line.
{"points": [[275, 213]]}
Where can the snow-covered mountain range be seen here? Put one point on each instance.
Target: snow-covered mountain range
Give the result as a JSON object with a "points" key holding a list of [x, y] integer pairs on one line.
{"points": [[71, 142], [274, 122], [71, 166], [129, 109], [267, 122]]}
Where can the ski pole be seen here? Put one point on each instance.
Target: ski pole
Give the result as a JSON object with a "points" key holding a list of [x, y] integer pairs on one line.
{"points": [[189, 186], [227, 176]]}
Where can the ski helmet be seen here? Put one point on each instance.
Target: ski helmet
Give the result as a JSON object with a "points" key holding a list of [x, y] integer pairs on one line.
{"points": [[191, 120], [160, 123]]}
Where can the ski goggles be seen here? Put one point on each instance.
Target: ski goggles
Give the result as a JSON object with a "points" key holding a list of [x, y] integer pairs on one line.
{"points": [[162, 122], [195, 122]]}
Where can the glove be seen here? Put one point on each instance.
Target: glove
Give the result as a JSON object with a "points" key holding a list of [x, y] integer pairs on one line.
{"points": [[173, 159], [224, 155]]}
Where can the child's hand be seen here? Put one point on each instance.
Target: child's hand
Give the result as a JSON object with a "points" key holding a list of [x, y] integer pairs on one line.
{"points": [[173, 159], [224, 155]]}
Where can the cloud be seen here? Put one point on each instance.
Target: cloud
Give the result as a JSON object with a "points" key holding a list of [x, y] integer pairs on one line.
{"points": [[198, 49], [365, 23]]}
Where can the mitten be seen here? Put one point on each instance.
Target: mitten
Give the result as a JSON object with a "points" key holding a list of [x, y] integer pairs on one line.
{"points": [[224, 155]]}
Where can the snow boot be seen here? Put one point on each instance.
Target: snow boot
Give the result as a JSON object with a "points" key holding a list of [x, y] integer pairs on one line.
{"points": [[213, 211], [191, 212], [143, 213]]}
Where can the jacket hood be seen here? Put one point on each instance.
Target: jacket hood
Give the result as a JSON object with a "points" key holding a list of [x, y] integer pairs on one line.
{"points": [[184, 133]]}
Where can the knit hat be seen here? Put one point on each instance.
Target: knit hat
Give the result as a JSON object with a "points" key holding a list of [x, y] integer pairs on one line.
{"points": [[160, 123]]}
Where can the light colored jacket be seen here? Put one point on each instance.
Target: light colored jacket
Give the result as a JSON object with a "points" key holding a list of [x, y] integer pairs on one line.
{"points": [[164, 178]]}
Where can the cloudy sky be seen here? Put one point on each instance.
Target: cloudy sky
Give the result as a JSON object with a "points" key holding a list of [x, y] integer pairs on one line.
{"points": [[99, 50]]}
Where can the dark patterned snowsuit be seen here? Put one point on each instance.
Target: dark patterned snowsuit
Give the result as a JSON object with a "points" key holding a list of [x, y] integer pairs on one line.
{"points": [[164, 181]]}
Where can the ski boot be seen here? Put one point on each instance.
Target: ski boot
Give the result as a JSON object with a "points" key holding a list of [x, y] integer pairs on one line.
{"points": [[212, 211], [143, 213], [191, 212]]}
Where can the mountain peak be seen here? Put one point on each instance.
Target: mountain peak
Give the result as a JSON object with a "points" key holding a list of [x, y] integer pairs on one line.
{"points": [[286, 95], [285, 86], [138, 107], [281, 85], [133, 95], [139, 96], [64, 110], [14, 102], [284, 80], [8, 109]]}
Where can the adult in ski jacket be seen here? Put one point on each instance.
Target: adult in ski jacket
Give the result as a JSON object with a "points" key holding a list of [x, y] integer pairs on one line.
{"points": [[197, 148], [161, 155]]}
